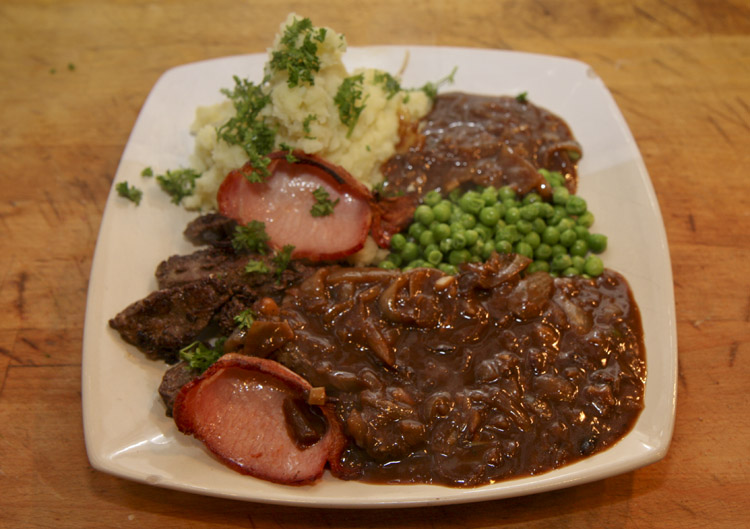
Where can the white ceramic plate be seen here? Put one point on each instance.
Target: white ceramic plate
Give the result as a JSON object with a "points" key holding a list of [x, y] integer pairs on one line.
{"points": [[127, 433]]}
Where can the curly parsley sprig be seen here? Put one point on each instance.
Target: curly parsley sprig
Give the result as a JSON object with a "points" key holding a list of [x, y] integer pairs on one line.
{"points": [[349, 101], [298, 55], [323, 204]]}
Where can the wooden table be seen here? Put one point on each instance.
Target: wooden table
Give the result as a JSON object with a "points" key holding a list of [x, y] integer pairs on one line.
{"points": [[74, 75]]}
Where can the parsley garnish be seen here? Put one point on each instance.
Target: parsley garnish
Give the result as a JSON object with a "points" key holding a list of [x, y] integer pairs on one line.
{"points": [[131, 193], [200, 356], [281, 260], [347, 98], [323, 205], [290, 157], [245, 319], [179, 183], [523, 97], [252, 237], [431, 89], [256, 267], [246, 128], [299, 59], [147, 172], [391, 86], [306, 125]]}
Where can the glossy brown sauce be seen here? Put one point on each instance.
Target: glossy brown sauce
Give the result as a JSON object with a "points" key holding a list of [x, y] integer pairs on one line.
{"points": [[469, 379]]}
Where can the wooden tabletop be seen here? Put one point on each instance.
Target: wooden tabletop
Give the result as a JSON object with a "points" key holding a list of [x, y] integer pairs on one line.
{"points": [[73, 77]]}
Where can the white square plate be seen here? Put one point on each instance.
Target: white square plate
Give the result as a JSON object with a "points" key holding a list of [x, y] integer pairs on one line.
{"points": [[127, 433]]}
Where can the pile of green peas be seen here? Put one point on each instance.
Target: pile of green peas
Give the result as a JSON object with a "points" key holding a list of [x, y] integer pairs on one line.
{"points": [[468, 226]]}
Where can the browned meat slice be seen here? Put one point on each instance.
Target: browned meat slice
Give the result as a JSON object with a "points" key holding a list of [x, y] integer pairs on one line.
{"points": [[213, 229], [202, 264], [171, 383], [169, 319]]}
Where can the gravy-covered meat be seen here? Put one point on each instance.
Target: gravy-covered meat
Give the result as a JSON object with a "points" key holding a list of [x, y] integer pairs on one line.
{"points": [[464, 380]]}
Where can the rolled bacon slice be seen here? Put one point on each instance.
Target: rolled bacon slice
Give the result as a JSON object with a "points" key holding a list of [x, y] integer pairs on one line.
{"points": [[284, 199], [252, 413]]}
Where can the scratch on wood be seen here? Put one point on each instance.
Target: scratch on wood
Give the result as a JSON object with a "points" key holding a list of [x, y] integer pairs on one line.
{"points": [[667, 67], [648, 16], [30, 344], [719, 129], [21, 290], [733, 353], [9, 354], [51, 203], [678, 11], [691, 220], [681, 375]]}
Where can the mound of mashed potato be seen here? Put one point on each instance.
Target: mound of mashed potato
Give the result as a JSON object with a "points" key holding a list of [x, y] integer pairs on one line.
{"points": [[306, 117]]}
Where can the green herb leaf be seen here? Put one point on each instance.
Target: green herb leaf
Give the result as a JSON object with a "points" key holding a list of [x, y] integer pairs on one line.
{"points": [[291, 158], [391, 85], [306, 125], [431, 89], [131, 193], [147, 172], [281, 260], [179, 183], [200, 356], [256, 267], [523, 97], [247, 128], [298, 55], [323, 205], [251, 237], [349, 101], [245, 319]]}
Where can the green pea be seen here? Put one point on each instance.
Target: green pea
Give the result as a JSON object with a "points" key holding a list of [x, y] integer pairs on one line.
{"points": [[537, 266], [388, 265], [523, 248], [560, 196], [487, 249], [530, 211], [506, 192], [566, 224], [578, 263], [503, 246], [538, 225], [570, 272], [426, 238], [448, 269], [395, 258], [471, 202], [500, 210], [594, 266], [546, 210], [512, 215], [429, 248], [510, 203], [489, 195], [532, 198], [434, 256], [582, 232], [586, 220], [409, 252], [424, 215], [508, 233], [551, 235], [484, 232], [575, 205], [441, 231], [471, 237], [454, 195], [397, 242], [446, 245], [558, 213], [468, 220], [597, 242], [432, 197], [489, 216], [560, 262], [579, 248], [543, 252], [567, 238], [459, 240], [442, 211], [416, 229], [532, 239], [524, 227], [456, 257], [558, 249]]}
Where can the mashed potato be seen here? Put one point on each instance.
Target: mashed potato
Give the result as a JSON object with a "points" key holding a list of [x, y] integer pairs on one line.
{"points": [[306, 117]]}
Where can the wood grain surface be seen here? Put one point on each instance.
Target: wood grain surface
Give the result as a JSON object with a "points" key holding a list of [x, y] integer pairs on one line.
{"points": [[73, 76]]}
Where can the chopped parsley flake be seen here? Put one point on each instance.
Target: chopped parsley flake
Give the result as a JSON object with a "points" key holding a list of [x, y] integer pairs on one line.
{"points": [[290, 157], [247, 129], [256, 267], [131, 193], [251, 237], [245, 319], [523, 97], [200, 356], [179, 183], [147, 172], [349, 101], [323, 205], [299, 58], [281, 260], [431, 89], [306, 125], [391, 86]]}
